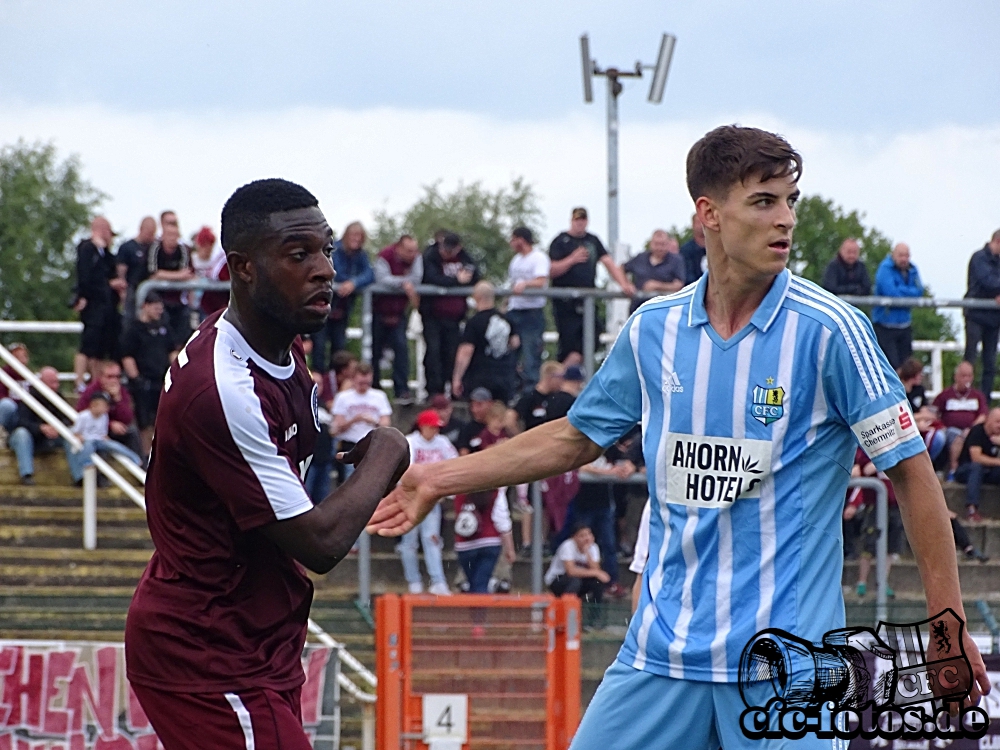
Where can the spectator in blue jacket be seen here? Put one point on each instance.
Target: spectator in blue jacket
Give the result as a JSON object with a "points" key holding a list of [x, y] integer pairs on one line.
{"points": [[896, 277], [354, 273]]}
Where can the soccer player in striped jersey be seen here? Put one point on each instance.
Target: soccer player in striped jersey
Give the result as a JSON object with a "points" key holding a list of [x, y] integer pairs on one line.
{"points": [[753, 387]]}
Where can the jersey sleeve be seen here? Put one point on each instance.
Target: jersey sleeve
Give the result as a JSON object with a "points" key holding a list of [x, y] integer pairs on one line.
{"points": [[865, 392], [611, 404], [233, 453]]}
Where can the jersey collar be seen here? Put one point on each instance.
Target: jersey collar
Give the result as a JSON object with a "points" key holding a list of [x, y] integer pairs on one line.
{"points": [[279, 372], [762, 319]]}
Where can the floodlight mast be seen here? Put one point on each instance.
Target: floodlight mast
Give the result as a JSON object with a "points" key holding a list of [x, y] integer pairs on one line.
{"points": [[590, 69]]}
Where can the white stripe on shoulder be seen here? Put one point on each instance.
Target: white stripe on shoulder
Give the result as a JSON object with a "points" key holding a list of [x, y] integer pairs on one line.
{"points": [[867, 346], [872, 385], [855, 318], [245, 419], [679, 295], [244, 717]]}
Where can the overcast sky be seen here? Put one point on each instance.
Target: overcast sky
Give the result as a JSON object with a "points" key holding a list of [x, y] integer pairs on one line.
{"points": [[895, 106]]}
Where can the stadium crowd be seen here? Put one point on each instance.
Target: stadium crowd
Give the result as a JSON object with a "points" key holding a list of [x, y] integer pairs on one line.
{"points": [[492, 356]]}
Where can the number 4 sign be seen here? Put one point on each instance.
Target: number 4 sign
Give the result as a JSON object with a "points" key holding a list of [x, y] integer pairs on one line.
{"points": [[445, 716]]}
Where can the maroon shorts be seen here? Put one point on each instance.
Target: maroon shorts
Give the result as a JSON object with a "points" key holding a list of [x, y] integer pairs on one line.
{"points": [[258, 719]]}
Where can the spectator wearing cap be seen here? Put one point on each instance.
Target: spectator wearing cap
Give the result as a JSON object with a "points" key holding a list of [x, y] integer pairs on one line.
{"points": [[132, 261], [452, 425], [528, 269], [354, 273], [208, 261], [447, 264], [98, 292], [658, 269], [170, 260], [121, 414], [574, 257], [398, 266], [32, 435], [427, 446], [8, 400], [147, 350], [487, 356], [480, 401], [91, 427]]}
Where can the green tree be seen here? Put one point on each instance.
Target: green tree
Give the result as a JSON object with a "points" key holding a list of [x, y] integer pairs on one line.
{"points": [[44, 203], [483, 219]]}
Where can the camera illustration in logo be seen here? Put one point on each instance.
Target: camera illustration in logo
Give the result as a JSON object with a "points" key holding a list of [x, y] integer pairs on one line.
{"points": [[890, 682]]}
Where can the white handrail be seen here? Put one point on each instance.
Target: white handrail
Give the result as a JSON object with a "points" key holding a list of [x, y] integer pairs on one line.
{"points": [[60, 403], [346, 657], [103, 466]]}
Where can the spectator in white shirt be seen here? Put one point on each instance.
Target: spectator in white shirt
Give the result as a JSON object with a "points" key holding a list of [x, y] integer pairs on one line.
{"points": [[427, 446], [91, 427], [576, 567], [359, 410], [528, 269]]}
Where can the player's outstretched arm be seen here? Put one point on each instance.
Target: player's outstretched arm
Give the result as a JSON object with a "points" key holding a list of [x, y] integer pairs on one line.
{"points": [[928, 530], [545, 451], [322, 537]]}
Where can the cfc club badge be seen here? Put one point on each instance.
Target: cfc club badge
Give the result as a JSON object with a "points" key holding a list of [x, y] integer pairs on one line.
{"points": [[315, 406], [768, 403]]}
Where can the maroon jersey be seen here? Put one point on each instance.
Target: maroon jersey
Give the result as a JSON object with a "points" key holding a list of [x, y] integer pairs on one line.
{"points": [[220, 607]]}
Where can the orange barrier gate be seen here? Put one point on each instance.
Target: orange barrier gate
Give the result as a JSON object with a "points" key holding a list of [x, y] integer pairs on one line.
{"points": [[477, 671]]}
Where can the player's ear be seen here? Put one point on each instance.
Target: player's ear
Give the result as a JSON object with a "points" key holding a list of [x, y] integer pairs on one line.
{"points": [[708, 212], [240, 266]]}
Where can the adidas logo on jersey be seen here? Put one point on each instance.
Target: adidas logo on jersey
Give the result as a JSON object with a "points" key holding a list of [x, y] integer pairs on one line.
{"points": [[672, 383]]}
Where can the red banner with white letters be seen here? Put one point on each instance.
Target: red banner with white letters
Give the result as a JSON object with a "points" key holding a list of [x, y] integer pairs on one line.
{"points": [[75, 696]]}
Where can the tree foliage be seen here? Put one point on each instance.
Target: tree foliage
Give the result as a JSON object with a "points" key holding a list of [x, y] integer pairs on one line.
{"points": [[483, 219], [44, 203]]}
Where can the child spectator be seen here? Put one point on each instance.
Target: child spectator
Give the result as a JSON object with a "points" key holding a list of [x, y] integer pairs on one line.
{"points": [[864, 500], [935, 436], [452, 424], [121, 416], [576, 567], [148, 350], [427, 446], [91, 427], [482, 529]]}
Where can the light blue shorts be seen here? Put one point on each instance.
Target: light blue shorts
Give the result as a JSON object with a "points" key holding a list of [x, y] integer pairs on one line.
{"points": [[636, 710]]}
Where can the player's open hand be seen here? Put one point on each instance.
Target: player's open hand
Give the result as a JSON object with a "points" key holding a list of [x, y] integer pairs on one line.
{"points": [[405, 506]]}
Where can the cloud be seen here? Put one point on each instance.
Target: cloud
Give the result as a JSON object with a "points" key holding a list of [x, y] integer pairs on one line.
{"points": [[935, 189]]}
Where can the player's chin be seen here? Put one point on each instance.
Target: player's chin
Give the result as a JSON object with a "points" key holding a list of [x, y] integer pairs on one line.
{"points": [[311, 318]]}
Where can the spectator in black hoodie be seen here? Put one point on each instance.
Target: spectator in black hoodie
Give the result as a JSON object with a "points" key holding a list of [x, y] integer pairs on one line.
{"points": [[984, 325], [98, 292], [445, 264], [846, 274]]}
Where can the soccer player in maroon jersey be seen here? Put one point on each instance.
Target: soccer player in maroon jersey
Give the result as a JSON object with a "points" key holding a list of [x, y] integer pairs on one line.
{"points": [[216, 628]]}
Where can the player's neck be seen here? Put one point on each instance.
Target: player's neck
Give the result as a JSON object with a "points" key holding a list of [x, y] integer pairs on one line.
{"points": [[259, 331], [732, 297]]}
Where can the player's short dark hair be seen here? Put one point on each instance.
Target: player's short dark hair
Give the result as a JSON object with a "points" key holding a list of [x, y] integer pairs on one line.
{"points": [[247, 211], [732, 153]]}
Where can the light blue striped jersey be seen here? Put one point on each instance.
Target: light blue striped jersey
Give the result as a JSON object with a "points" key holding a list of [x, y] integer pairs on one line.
{"points": [[748, 446]]}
